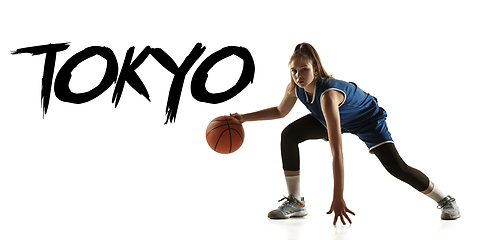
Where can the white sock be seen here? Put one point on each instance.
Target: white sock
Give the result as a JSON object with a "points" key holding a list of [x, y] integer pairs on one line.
{"points": [[436, 194], [293, 186]]}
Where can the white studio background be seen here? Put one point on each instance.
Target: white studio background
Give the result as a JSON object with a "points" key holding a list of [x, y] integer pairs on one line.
{"points": [[93, 171]]}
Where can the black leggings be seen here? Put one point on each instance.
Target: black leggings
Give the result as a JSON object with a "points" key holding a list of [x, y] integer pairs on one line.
{"points": [[308, 127]]}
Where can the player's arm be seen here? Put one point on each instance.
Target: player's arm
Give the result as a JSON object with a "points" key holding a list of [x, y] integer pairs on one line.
{"points": [[279, 111], [330, 102]]}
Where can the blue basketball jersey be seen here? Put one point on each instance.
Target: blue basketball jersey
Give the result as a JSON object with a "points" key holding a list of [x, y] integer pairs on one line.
{"points": [[359, 112]]}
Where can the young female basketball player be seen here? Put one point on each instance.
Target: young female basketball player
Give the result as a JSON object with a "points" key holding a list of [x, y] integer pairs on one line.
{"points": [[336, 107]]}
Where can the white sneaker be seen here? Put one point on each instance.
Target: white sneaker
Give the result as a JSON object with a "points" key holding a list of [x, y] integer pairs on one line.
{"points": [[450, 210], [292, 207]]}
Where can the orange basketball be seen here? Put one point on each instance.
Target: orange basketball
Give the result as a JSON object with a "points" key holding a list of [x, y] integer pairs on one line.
{"points": [[225, 134]]}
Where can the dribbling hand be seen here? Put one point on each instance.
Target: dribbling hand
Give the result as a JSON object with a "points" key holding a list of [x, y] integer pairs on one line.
{"points": [[239, 117]]}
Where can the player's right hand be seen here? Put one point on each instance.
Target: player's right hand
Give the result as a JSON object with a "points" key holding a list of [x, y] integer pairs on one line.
{"points": [[239, 117]]}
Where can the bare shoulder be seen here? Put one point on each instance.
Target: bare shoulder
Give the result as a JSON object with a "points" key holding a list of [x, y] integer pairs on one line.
{"points": [[290, 91], [333, 97]]}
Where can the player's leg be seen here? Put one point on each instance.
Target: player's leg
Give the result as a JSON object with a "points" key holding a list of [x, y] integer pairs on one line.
{"points": [[305, 128], [391, 160], [394, 164]]}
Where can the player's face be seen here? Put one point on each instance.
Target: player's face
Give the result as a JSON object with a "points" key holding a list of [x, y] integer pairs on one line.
{"points": [[303, 73]]}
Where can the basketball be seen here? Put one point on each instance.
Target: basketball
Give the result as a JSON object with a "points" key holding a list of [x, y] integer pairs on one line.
{"points": [[225, 134]]}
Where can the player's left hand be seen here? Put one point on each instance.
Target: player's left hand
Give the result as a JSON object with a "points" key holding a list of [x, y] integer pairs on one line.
{"points": [[341, 210]]}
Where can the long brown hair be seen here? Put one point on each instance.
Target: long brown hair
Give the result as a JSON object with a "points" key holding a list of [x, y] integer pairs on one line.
{"points": [[307, 50]]}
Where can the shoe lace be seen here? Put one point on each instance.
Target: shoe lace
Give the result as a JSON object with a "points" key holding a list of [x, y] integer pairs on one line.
{"points": [[288, 200], [446, 201]]}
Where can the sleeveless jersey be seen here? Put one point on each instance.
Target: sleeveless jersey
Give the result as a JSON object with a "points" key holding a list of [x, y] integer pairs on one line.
{"points": [[359, 112]]}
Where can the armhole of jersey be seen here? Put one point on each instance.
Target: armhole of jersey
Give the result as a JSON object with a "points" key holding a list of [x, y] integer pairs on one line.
{"points": [[336, 89]]}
